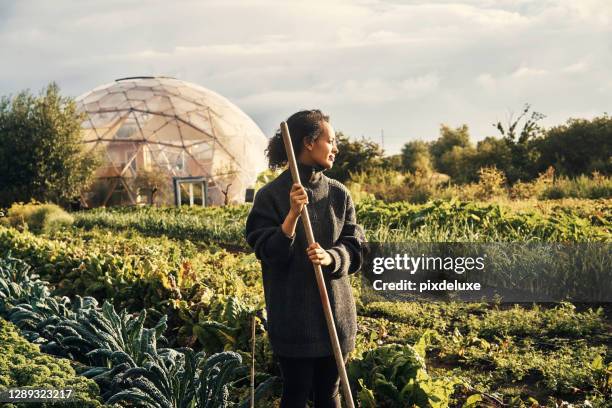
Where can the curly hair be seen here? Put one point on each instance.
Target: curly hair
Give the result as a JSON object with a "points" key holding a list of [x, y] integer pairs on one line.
{"points": [[306, 124]]}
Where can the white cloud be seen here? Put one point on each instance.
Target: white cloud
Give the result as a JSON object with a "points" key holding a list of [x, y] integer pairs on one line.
{"points": [[577, 67], [405, 66], [487, 81], [527, 72]]}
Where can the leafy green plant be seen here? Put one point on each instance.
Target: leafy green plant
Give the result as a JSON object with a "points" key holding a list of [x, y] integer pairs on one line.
{"points": [[469, 221], [165, 380], [18, 284], [395, 375], [224, 327], [134, 271], [223, 225], [179, 379]]}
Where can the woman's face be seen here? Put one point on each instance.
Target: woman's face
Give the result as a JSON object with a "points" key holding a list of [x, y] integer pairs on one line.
{"points": [[324, 149]]}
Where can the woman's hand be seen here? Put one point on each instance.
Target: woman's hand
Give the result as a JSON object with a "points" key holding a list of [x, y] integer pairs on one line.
{"points": [[298, 198], [318, 255]]}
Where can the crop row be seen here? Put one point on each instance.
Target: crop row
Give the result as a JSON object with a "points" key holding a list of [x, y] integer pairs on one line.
{"points": [[435, 221]]}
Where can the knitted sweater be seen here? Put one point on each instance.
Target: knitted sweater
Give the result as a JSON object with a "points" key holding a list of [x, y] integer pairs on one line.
{"points": [[296, 323]]}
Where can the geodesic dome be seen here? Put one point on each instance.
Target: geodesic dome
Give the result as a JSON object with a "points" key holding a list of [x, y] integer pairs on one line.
{"points": [[166, 141]]}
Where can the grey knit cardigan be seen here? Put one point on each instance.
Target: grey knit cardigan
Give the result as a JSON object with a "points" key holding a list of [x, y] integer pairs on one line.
{"points": [[296, 323]]}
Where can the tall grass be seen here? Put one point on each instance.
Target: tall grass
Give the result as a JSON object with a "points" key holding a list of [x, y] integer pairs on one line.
{"points": [[579, 187], [394, 186]]}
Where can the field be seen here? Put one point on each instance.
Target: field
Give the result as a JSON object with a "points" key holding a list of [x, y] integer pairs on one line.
{"points": [[144, 300]]}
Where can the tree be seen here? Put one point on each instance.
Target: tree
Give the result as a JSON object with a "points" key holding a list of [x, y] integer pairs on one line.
{"points": [[448, 139], [522, 145], [459, 164], [354, 156], [580, 146], [453, 154], [392, 162], [41, 155], [493, 152], [416, 157]]}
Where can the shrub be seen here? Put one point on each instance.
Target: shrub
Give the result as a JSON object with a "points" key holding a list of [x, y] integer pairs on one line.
{"points": [[358, 194], [424, 186], [491, 183], [39, 218], [388, 185], [596, 186], [393, 186], [23, 365], [535, 188]]}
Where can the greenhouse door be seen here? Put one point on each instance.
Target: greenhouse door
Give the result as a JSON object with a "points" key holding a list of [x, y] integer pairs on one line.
{"points": [[190, 190]]}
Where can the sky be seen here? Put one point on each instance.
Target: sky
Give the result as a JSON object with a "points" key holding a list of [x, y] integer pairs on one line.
{"points": [[377, 67]]}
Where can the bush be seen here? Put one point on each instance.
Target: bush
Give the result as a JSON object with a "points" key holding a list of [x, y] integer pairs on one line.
{"points": [[394, 186], [358, 194], [395, 375], [424, 186], [491, 183], [383, 184], [38, 218], [23, 365], [535, 188], [597, 186]]}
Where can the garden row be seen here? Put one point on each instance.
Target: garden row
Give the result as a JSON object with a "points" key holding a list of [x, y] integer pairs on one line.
{"points": [[436, 221]]}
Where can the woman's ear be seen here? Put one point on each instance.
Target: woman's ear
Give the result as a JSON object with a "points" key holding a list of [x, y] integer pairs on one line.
{"points": [[308, 145]]}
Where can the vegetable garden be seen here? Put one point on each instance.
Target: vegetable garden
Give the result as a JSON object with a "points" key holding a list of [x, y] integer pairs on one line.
{"points": [[154, 307]]}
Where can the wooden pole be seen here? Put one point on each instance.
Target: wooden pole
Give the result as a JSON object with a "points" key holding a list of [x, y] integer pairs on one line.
{"points": [[253, 361], [331, 326]]}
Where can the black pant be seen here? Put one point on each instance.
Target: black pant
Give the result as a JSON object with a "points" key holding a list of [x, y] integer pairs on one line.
{"points": [[318, 375]]}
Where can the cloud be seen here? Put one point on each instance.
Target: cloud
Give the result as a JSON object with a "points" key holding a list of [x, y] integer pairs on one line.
{"points": [[576, 68], [527, 72], [403, 66]]}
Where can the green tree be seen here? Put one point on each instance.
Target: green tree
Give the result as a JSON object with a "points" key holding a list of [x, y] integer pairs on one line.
{"points": [[41, 155], [392, 162], [354, 156], [459, 164], [578, 147], [522, 143], [493, 152], [448, 139], [416, 157], [453, 154]]}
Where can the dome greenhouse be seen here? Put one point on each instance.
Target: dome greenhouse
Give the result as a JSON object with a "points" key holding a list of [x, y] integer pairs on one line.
{"points": [[165, 141]]}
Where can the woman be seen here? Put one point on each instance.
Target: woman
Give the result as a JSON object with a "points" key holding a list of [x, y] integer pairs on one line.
{"points": [[296, 324]]}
